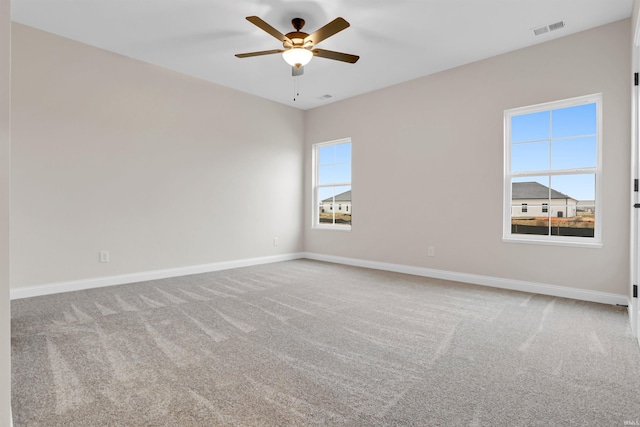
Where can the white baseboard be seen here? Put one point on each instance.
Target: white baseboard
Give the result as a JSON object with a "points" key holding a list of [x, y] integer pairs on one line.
{"points": [[122, 279], [495, 282]]}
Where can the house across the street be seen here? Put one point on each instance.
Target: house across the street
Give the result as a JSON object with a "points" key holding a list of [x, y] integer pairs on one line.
{"points": [[341, 203], [532, 199]]}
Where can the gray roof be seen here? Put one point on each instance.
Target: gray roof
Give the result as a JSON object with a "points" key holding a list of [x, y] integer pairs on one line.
{"points": [[535, 190], [342, 197]]}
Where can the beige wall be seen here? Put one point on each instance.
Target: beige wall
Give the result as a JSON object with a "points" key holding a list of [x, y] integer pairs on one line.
{"points": [[634, 16], [436, 145], [5, 164], [161, 169]]}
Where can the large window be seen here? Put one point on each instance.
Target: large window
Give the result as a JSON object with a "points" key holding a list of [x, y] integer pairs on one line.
{"points": [[332, 185], [553, 172]]}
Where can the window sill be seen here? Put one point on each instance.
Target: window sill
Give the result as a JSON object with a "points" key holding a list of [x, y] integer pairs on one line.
{"points": [[554, 242], [332, 227]]}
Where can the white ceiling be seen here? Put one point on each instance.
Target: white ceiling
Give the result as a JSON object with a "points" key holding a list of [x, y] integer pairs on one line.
{"points": [[397, 40]]}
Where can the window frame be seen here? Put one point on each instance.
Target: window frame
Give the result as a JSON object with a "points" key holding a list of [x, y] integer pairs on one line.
{"points": [[508, 236], [315, 211]]}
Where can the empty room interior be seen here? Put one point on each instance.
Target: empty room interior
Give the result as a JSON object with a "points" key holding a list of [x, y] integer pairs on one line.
{"points": [[178, 242]]}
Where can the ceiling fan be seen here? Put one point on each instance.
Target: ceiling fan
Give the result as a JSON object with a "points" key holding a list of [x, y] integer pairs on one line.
{"points": [[299, 46]]}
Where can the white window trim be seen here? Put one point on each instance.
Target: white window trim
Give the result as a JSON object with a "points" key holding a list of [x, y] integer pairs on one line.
{"points": [[596, 241], [315, 224]]}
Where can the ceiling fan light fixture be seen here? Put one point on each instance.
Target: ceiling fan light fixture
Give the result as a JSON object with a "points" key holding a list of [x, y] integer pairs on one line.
{"points": [[297, 57]]}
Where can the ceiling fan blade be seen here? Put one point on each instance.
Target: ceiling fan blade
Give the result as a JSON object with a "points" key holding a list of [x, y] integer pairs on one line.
{"points": [[338, 56], [327, 31], [262, 52], [258, 22], [297, 71]]}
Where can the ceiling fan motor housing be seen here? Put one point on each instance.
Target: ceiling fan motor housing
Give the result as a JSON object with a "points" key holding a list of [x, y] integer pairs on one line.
{"points": [[297, 37]]}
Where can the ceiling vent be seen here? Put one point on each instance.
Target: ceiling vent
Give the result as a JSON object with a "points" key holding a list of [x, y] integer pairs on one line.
{"points": [[327, 96], [556, 26], [551, 27], [541, 30]]}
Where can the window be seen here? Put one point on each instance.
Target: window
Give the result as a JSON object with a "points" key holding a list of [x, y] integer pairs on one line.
{"points": [[553, 172], [332, 184]]}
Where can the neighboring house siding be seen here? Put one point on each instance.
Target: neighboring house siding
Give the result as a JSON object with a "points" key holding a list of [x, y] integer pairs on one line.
{"points": [[558, 208], [342, 204], [534, 195]]}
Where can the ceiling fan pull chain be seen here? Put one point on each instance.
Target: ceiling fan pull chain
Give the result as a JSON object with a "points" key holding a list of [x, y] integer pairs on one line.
{"points": [[296, 87]]}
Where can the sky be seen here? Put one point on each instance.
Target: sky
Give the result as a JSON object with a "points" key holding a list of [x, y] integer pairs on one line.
{"points": [[556, 140], [334, 167]]}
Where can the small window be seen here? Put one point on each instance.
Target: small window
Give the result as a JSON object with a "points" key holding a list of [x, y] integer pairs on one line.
{"points": [[553, 161], [332, 184]]}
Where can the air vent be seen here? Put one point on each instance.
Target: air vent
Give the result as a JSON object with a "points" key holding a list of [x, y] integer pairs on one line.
{"points": [[546, 28], [327, 96], [541, 30], [556, 26]]}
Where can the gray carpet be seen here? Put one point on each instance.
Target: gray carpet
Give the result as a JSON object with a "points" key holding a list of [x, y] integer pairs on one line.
{"points": [[309, 343]]}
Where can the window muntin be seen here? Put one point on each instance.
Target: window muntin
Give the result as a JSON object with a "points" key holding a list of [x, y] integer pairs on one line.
{"points": [[332, 185], [553, 167]]}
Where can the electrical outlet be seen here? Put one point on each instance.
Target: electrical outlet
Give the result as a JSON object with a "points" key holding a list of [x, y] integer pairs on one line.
{"points": [[431, 251], [276, 241], [104, 256]]}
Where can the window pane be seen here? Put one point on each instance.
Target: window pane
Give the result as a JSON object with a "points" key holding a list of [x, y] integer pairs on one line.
{"points": [[532, 156], [580, 187], [334, 164], [530, 127], [342, 173], [334, 205], [327, 155], [526, 189], [532, 221], [333, 154], [572, 207], [343, 153], [326, 174], [574, 121], [574, 153], [334, 173], [529, 205]]}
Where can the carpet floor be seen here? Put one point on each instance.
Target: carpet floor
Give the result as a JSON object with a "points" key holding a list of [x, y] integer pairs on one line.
{"points": [[306, 343]]}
